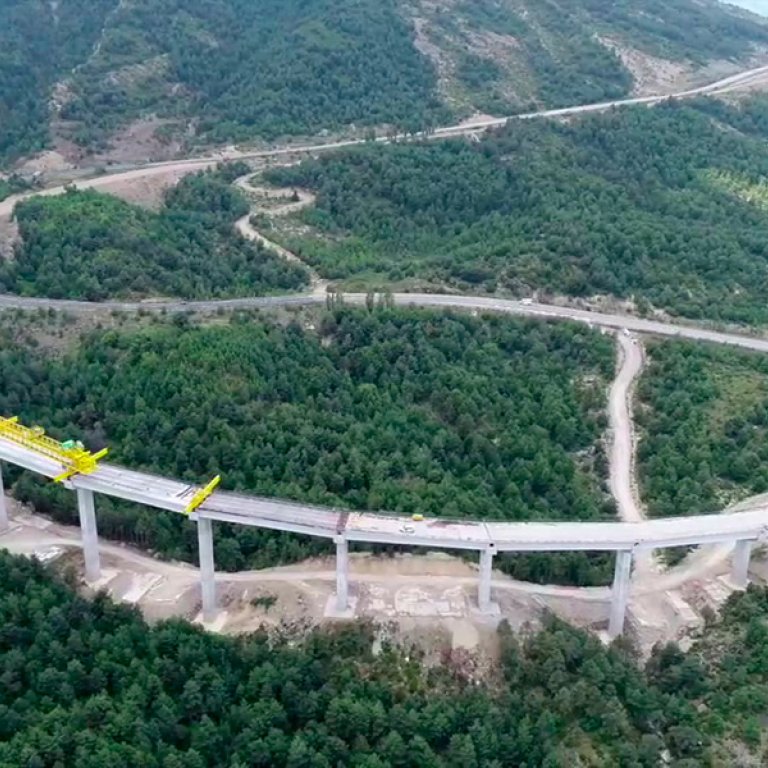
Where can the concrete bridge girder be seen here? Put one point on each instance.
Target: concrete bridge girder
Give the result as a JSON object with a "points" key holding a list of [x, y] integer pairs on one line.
{"points": [[742, 529]]}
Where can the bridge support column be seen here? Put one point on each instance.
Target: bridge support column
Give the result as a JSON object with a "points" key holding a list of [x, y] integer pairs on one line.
{"points": [[340, 605], [484, 603], [87, 511], [207, 568], [342, 575], [740, 565], [4, 524], [620, 592]]}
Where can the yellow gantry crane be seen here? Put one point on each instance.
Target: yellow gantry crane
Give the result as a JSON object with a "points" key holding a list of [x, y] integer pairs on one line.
{"points": [[71, 454]]}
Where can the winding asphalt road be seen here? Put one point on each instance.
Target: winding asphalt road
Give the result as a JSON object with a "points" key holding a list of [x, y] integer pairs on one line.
{"points": [[724, 85], [433, 300]]}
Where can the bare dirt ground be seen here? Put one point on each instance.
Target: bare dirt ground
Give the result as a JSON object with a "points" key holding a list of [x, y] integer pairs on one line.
{"points": [[415, 593], [630, 352], [146, 191], [624, 443], [651, 74], [46, 162], [139, 142]]}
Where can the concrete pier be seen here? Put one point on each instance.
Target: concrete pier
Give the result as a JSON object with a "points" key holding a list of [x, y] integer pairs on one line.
{"points": [[87, 511], [484, 603], [341, 605], [742, 552], [342, 575], [207, 568], [620, 592]]}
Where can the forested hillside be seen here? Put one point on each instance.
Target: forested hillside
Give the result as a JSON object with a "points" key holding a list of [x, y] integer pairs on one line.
{"points": [[665, 205], [396, 410], [263, 68], [502, 56], [91, 685], [231, 70], [704, 420], [40, 42], [87, 245]]}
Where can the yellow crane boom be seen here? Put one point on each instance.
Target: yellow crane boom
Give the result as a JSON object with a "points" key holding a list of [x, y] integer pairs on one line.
{"points": [[202, 494]]}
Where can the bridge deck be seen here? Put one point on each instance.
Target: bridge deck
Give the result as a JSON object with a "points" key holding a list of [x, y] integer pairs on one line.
{"points": [[174, 495]]}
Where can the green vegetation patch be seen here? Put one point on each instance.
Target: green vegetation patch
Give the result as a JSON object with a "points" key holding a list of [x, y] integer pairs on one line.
{"points": [[87, 245], [555, 43], [247, 69], [622, 203], [754, 192], [40, 41], [11, 185], [704, 420], [682, 29], [90, 684], [403, 411], [507, 56]]}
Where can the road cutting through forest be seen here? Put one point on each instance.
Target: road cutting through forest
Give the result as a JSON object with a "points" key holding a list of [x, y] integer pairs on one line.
{"points": [[748, 78]]}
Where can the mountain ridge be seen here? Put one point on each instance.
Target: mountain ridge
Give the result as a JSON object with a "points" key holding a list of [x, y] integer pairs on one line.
{"points": [[150, 79]]}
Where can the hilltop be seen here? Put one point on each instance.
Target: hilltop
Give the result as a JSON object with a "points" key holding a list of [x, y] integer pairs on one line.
{"points": [[152, 78]]}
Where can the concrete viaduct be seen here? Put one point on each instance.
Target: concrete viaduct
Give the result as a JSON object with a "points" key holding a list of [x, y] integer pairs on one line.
{"points": [[742, 529]]}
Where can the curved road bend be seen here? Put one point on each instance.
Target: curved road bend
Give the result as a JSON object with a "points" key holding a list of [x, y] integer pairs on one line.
{"points": [[249, 232], [723, 85]]}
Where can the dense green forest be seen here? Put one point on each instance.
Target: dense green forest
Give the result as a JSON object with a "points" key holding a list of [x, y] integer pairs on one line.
{"points": [[265, 68], [404, 411], [90, 685], [88, 245], [667, 205], [703, 417], [40, 42]]}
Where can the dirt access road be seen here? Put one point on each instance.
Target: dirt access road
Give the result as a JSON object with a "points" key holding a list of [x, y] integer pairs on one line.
{"points": [[623, 481], [276, 202], [620, 414]]}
